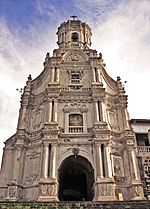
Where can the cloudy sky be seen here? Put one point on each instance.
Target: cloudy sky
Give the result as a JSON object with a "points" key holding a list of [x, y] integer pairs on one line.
{"points": [[121, 32]]}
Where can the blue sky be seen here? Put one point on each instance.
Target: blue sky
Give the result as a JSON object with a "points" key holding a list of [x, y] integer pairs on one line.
{"points": [[121, 31]]}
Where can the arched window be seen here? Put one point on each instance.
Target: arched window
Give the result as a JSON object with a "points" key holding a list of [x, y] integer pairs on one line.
{"points": [[74, 37]]}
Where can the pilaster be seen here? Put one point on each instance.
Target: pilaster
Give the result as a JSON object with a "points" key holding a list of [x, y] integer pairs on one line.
{"points": [[48, 185], [135, 188], [105, 190]]}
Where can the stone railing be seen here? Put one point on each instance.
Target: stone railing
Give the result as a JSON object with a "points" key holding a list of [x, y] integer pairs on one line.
{"points": [[143, 150], [76, 129], [82, 89]]}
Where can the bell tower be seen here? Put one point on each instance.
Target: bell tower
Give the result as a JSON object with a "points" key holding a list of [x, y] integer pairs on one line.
{"points": [[73, 140], [74, 34]]}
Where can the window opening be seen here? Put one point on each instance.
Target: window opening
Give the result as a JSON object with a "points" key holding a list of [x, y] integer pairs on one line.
{"points": [[75, 123], [52, 117], [142, 139], [75, 78], [103, 160], [55, 74], [74, 37], [96, 74], [49, 159], [99, 110]]}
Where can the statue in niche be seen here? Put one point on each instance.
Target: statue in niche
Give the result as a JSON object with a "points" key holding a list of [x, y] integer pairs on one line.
{"points": [[75, 120], [118, 170]]}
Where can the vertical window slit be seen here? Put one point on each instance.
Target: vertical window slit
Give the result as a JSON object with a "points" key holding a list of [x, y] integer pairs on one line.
{"points": [[99, 110], [49, 159], [96, 74], [103, 160], [52, 117], [55, 74]]}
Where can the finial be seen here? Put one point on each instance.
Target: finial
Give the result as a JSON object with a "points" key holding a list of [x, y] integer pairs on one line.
{"points": [[73, 17]]}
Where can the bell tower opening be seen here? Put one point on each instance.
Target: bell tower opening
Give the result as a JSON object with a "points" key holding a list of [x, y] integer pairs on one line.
{"points": [[74, 37], [76, 178]]}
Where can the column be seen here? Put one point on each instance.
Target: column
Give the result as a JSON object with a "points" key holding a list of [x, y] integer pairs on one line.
{"points": [[84, 123], [96, 111], [52, 74], [21, 120], [98, 74], [45, 160], [57, 75], [134, 164], [108, 166], [66, 115], [94, 80], [53, 162], [49, 111], [16, 163], [127, 118], [55, 111], [99, 161], [103, 112]]}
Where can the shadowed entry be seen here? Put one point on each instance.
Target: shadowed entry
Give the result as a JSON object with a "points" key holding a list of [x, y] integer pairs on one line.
{"points": [[76, 178]]}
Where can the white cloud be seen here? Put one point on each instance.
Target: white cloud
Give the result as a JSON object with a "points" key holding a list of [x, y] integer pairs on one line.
{"points": [[124, 40], [18, 59]]}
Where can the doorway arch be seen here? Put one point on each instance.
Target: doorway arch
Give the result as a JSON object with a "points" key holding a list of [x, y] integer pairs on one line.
{"points": [[76, 178]]}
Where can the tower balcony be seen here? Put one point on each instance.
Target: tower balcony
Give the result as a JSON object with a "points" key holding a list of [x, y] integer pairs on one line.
{"points": [[76, 129], [143, 151]]}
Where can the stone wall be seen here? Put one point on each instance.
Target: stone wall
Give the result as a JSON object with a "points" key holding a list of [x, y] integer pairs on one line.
{"points": [[77, 205]]}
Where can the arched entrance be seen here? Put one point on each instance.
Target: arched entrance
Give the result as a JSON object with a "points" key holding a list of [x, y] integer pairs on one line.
{"points": [[76, 178]]}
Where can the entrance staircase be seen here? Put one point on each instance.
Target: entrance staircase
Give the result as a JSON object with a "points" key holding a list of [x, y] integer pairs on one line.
{"points": [[77, 205]]}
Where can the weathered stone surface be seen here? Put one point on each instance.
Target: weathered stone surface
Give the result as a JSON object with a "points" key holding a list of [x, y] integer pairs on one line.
{"points": [[73, 138]]}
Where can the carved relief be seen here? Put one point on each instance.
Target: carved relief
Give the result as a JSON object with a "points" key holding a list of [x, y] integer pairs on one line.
{"points": [[75, 151], [50, 189], [138, 190], [37, 119], [118, 166], [47, 189], [75, 120], [19, 149], [73, 57], [117, 148], [75, 107], [14, 192], [43, 189], [113, 122], [32, 167], [106, 190]]}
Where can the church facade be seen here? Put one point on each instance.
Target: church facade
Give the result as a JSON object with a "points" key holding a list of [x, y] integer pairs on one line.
{"points": [[73, 140]]}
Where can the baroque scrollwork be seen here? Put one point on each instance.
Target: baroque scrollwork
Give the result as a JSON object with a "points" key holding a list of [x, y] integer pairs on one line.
{"points": [[138, 190], [50, 189], [47, 189]]}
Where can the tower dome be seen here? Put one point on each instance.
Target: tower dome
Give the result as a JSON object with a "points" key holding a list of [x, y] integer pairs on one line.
{"points": [[74, 33]]}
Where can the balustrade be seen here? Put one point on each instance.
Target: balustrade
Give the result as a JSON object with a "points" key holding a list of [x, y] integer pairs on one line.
{"points": [[76, 129], [143, 150]]}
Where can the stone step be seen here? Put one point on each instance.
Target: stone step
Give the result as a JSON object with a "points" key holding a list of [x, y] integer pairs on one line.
{"points": [[77, 205]]}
